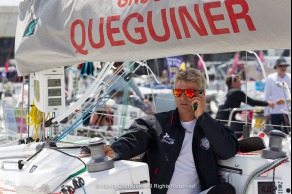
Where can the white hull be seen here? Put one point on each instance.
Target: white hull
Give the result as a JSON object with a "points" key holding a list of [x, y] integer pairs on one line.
{"points": [[54, 168], [49, 177]]}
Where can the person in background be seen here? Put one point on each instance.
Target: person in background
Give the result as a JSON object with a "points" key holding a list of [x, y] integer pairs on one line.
{"points": [[165, 77], [181, 146], [138, 100], [274, 92], [233, 99]]}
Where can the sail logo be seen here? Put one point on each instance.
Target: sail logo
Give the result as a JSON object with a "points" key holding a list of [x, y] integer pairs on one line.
{"points": [[30, 29], [33, 168], [167, 139], [205, 144]]}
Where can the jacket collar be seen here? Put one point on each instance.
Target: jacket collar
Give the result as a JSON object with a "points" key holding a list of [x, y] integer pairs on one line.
{"points": [[175, 121]]}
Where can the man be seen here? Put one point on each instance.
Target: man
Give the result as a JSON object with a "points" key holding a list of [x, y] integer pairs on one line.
{"points": [[233, 99], [274, 92], [181, 146]]}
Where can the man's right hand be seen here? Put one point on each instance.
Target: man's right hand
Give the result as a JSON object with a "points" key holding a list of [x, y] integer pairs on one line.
{"points": [[148, 103], [109, 152], [268, 118], [271, 104]]}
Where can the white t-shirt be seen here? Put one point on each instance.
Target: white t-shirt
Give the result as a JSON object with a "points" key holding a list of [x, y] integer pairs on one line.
{"points": [[274, 92], [185, 174]]}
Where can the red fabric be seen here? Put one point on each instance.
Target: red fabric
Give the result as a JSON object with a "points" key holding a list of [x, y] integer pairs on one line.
{"points": [[261, 56], [80, 66], [6, 66], [262, 135]]}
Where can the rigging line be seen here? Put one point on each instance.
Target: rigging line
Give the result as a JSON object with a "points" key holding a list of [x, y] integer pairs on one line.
{"points": [[44, 127], [22, 107], [109, 98], [116, 74], [99, 120], [264, 169], [104, 114], [110, 79], [246, 73], [74, 125], [286, 159], [124, 107], [152, 92], [78, 122], [115, 83], [205, 69], [83, 188], [144, 64], [260, 62], [275, 125], [111, 118], [240, 122], [81, 100], [29, 107], [112, 88], [87, 105]]}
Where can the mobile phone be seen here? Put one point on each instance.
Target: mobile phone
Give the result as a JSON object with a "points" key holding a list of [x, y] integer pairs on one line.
{"points": [[195, 106]]}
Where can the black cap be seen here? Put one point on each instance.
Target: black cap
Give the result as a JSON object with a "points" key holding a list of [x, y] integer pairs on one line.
{"points": [[281, 61]]}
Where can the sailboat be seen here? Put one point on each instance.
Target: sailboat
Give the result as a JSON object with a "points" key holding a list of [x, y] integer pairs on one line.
{"points": [[52, 34]]}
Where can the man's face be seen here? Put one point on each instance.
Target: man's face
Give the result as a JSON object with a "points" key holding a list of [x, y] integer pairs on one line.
{"points": [[282, 69], [183, 103], [236, 82]]}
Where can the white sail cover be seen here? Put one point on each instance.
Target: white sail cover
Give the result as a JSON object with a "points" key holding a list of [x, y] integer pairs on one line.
{"points": [[52, 33]]}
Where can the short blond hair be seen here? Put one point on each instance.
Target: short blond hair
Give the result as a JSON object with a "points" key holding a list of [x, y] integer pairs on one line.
{"points": [[191, 75]]}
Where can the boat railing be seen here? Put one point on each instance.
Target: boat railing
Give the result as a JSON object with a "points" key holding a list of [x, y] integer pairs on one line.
{"points": [[234, 110], [258, 122]]}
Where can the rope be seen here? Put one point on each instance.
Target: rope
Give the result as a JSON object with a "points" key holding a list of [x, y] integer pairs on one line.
{"points": [[265, 169], [35, 118], [125, 106], [152, 92], [22, 107], [246, 78], [83, 188], [78, 172], [79, 121]]}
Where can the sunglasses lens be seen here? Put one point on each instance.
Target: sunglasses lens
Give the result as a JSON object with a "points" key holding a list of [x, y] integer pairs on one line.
{"points": [[198, 93], [190, 93], [177, 92]]}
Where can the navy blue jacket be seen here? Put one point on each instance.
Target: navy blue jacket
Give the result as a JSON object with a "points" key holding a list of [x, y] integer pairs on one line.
{"points": [[161, 137]]}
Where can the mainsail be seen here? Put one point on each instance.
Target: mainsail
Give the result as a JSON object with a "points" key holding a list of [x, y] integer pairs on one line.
{"points": [[53, 33]]}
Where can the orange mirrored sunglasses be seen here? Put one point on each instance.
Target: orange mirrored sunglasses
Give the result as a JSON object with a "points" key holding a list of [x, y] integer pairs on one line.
{"points": [[190, 93]]}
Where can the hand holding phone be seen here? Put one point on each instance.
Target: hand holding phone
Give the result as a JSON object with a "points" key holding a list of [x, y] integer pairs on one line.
{"points": [[195, 106]]}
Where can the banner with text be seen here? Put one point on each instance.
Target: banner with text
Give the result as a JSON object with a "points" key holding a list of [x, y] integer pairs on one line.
{"points": [[66, 32], [173, 66]]}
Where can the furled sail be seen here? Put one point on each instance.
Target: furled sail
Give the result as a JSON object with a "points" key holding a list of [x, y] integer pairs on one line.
{"points": [[53, 33]]}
